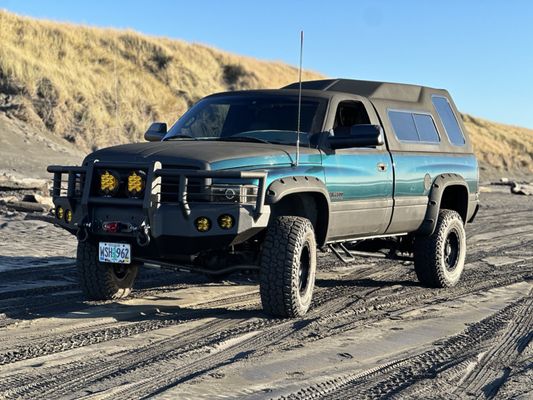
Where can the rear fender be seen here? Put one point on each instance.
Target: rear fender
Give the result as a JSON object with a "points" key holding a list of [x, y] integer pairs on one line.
{"points": [[438, 187]]}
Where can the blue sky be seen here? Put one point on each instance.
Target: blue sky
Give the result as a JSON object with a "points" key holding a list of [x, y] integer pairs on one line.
{"points": [[481, 51]]}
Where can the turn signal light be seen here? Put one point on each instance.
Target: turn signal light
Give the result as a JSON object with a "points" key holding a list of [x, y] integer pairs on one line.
{"points": [[203, 224], [68, 216], [60, 212], [109, 183], [135, 183], [226, 221]]}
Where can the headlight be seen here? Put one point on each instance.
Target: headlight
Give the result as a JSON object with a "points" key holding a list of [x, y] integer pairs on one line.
{"points": [[233, 193], [109, 183], [136, 183]]}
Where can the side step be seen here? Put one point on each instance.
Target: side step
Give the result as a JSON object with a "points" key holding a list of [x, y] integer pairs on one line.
{"points": [[341, 252], [346, 256]]}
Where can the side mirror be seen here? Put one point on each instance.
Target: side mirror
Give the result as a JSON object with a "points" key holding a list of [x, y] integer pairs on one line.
{"points": [[156, 132], [357, 136]]}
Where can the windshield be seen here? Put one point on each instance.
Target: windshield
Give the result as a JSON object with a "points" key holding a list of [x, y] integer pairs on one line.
{"points": [[261, 118]]}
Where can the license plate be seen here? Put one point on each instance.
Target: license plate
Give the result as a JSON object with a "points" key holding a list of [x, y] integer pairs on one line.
{"points": [[117, 253]]}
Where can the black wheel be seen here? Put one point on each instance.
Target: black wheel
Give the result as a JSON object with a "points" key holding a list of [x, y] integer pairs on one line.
{"points": [[440, 258], [288, 267], [101, 281]]}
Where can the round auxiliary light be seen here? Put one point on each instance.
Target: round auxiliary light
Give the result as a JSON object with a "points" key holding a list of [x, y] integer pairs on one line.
{"points": [[226, 221], [109, 183], [68, 216], [203, 224], [60, 212], [136, 183]]}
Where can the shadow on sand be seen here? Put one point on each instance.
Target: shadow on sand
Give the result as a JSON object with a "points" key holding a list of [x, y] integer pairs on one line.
{"points": [[32, 287]]}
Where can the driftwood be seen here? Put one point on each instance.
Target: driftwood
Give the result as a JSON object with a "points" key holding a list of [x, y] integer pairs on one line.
{"points": [[10, 183], [40, 217], [523, 189], [27, 206]]}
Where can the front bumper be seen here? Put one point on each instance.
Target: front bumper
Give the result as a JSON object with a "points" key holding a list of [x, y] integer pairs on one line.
{"points": [[170, 225]]}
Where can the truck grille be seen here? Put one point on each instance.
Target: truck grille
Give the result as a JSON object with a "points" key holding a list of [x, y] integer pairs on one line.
{"points": [[196, 188]]}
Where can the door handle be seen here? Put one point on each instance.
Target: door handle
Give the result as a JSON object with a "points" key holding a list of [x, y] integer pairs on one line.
{"points": [[382, 167]]}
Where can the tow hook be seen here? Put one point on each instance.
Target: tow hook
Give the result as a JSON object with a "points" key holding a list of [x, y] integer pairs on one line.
{"points": [[82, 234], [143, 235]]}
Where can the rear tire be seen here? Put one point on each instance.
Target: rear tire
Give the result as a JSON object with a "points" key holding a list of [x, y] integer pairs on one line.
{"points": [[288, 267], [101, 281], [440, 258]]}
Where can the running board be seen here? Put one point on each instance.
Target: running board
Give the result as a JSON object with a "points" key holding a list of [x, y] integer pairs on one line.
{"points": [[346, 256]]}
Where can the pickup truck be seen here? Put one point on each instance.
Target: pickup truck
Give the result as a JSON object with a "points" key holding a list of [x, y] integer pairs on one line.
{"points": [[266, 178]]}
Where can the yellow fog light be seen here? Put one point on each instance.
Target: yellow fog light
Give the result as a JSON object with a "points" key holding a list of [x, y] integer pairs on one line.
{"points": [[135, 183], [226, 221], [203, 224], [109, 183], [60, 212], [68, 216]]}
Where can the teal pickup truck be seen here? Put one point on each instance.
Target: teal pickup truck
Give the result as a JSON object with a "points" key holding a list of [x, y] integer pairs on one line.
{"points": [[264, 178]]}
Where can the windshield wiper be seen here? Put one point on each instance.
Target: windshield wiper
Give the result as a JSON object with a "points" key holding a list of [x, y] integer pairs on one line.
{"points": [[182, 136], [244, 139]]}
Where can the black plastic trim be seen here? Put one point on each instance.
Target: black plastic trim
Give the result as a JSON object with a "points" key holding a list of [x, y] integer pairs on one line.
{"points": [[295, 184], [440, 183]]}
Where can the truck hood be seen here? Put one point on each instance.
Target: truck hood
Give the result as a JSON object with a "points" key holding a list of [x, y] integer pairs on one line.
{"points": [[206, 154]]}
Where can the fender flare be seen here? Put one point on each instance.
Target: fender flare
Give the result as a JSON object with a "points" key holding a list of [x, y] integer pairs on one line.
{"points": [[286, 186], [440, 183], [282, 187]]}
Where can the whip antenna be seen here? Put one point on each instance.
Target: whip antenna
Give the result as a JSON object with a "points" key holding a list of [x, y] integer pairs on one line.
{"points": [[299, 98]]}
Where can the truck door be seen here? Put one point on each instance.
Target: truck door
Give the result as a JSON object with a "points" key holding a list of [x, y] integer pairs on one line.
{"points": [[359, 180]]}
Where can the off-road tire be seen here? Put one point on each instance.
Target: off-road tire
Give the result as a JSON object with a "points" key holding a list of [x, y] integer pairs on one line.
{"points": [[434, 254], [102, 281], [289, 245]]}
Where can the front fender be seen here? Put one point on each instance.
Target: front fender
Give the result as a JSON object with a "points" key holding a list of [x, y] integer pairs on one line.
{"points": [[295, 185]]}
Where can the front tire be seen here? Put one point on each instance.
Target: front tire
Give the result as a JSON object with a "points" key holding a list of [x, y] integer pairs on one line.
{"points": [[440, 258], [100, 281], [288, 267]]}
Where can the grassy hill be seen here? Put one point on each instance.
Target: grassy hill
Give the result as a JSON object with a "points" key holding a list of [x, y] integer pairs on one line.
{"points": [[501, 149], [103, 86], [96, 87]]}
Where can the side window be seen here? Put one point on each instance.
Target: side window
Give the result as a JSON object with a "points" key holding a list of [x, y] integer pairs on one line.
{"points": [[349, 113], [447, 117], [404, 125], [426, 128], [414, 127]]}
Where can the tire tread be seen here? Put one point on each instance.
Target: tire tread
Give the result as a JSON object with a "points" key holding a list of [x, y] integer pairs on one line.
{"points": [[278, 277], [429, 251]]}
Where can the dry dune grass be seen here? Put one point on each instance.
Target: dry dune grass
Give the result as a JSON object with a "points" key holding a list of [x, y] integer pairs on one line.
{"points": [[501, 148], [103, 86], [97, 87]]}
